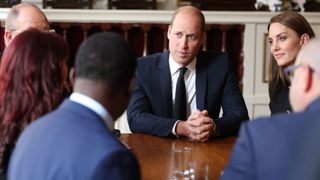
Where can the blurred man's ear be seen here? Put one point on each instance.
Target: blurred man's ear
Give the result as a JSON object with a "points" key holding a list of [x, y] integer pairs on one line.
{"points": [[309, 78], [306, 78], [72, 76], [8, 36]]}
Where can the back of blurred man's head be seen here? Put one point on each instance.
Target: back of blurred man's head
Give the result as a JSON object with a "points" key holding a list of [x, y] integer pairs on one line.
{"points": [[305, 85], [106, 59]]}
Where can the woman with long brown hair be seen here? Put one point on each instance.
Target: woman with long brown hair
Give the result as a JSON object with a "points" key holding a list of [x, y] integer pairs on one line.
{"points": [[287, 32], [32, 75]]}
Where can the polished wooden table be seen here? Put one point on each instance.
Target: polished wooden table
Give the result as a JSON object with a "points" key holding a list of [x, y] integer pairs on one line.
{"points": [[155, 155]]}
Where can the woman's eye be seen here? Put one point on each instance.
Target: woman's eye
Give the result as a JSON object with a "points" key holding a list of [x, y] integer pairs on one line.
{"points": [[282, 38]]}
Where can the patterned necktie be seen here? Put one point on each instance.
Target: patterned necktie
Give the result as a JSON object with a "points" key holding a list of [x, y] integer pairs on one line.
{"points": [[180, 98]]}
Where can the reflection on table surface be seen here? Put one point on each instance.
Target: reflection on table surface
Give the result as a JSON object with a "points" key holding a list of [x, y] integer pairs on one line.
{"points": [[155, 155]]}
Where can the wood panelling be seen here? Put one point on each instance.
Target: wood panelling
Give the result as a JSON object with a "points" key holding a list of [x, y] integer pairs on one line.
{"points": [[151, 38]]}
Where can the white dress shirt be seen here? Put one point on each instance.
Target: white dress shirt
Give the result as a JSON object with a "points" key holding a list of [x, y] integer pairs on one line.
{"points": [[190, 82], [94, 106]]}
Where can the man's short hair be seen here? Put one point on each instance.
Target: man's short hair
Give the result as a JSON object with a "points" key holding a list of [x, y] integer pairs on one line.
{"points": [[107, 57], [197, 12]]}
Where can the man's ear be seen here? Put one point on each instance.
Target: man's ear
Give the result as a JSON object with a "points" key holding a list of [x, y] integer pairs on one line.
{"points": [[169, 31], [304, 38], [72, 76], [131, 85], [307, 78], [203, 38], [8, 36]]}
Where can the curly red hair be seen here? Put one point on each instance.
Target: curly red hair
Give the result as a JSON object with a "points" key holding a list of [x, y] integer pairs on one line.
{"points": [[32, 76]]}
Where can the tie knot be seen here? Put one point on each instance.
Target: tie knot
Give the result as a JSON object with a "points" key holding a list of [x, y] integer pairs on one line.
{"points": [[182, 71]]}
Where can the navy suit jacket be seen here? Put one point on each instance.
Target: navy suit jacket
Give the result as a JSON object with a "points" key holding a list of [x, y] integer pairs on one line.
{"points": [[306, 163], [71, 142], [150, 108], [265, 147]]}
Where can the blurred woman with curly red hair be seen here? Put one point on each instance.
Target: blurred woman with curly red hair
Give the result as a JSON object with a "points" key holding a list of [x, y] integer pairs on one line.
{"points": [[33, 72]]}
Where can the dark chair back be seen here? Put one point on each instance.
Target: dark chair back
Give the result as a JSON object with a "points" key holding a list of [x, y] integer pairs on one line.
{"points": [[132, 4], [9, 3], [68, 4], [225, 5]]}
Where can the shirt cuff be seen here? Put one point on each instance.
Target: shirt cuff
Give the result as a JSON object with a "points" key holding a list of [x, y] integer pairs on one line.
{"points": [[174, 128]]}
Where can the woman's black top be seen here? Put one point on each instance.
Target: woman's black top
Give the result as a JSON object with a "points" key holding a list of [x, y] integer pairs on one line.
{"points": [[280, 103]]}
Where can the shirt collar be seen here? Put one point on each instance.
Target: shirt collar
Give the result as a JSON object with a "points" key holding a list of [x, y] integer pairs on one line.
{"points": [[174, 66], [94, 106]]}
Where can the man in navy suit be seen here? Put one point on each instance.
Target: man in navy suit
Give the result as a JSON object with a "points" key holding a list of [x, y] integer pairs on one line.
{"points": [[266, 147], [76, 141], [210, 83], [306, 163]]}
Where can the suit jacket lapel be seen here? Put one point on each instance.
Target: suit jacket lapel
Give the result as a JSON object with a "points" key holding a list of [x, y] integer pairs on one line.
{"points": [[201, 82], [165, 83]]}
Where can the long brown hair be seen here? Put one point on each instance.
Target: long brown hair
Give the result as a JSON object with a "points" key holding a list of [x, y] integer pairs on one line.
{"points": [[32, 77], [300, 25]]}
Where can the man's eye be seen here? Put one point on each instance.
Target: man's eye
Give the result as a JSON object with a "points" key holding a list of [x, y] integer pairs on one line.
{"points": [[178, 35], [192, 37]]}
